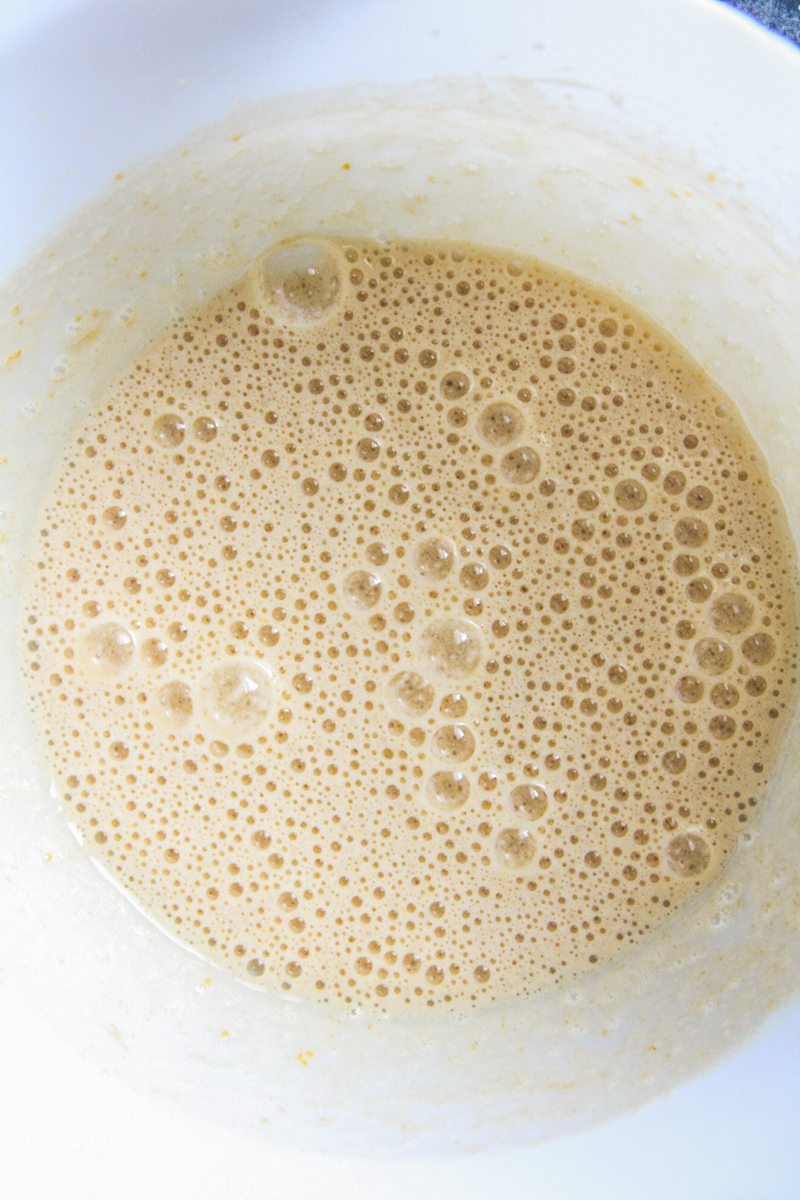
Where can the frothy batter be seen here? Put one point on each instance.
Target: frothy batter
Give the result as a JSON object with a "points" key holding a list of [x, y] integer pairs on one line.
{"points": [[412, 626]]}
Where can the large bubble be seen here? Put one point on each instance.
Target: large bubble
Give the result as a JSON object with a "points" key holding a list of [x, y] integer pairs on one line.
{"points": [[236, 696], [410, 693], [452, 646], [109, 648], [301, 279], [447, 790]]}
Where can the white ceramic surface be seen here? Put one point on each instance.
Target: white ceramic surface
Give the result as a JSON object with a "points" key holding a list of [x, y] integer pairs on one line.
{"points": [[95, 89]]}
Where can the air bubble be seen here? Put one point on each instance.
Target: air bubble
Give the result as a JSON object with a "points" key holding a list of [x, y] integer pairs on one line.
{"points": [[713, 656], [399, 493], [454, 743], [236, 696], [630, 495], [154, 652], [453, 705], [454, 385], [515, 849], [724, 695], [410, 693], [109, 648], [205, 429], [759, 648], [687, 564], [115, 517], [674, 483], [520, 466], [474, 576], [722, 727], [302, 279], [689, 689], [362, 589], [528, 801], [699, 497], [674, 762], [168, 430], [368, 449], [452, 646], [498, 424], [731, 613], [500, 557], [435, 558], [688, 855], [447, 790], [175, 702], [691, 531], [699, 590]]}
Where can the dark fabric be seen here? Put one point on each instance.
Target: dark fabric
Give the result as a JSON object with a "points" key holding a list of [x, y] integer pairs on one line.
{"points": [[781, 15]]}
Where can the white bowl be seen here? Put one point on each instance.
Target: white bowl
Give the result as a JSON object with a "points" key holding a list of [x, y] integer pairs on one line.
{"points": [[635, 144]]}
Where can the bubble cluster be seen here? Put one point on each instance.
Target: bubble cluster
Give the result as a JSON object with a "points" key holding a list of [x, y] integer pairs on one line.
{"points": [[411, 626]]}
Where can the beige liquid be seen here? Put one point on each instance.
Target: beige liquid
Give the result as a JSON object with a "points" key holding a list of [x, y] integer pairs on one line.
{"points": [[412, 626]]}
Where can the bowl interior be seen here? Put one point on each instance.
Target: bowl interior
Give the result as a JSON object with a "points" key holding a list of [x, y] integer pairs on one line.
{"points": [[608, 172]]}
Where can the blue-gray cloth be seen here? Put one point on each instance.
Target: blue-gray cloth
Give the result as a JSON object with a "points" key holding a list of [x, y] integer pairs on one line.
{"points": [[781, 15]]}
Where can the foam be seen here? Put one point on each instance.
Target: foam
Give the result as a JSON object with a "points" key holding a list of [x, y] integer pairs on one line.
{"points": [[412, 626]]}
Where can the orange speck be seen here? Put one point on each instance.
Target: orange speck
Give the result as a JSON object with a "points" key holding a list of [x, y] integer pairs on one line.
{"points": [[225, 1033], [636, 180], [688, 192], [711, 177], [236, 137], [345, 166], [86, 338], [120, 175], [635, 217], [10, 358], [304, 1057]]}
